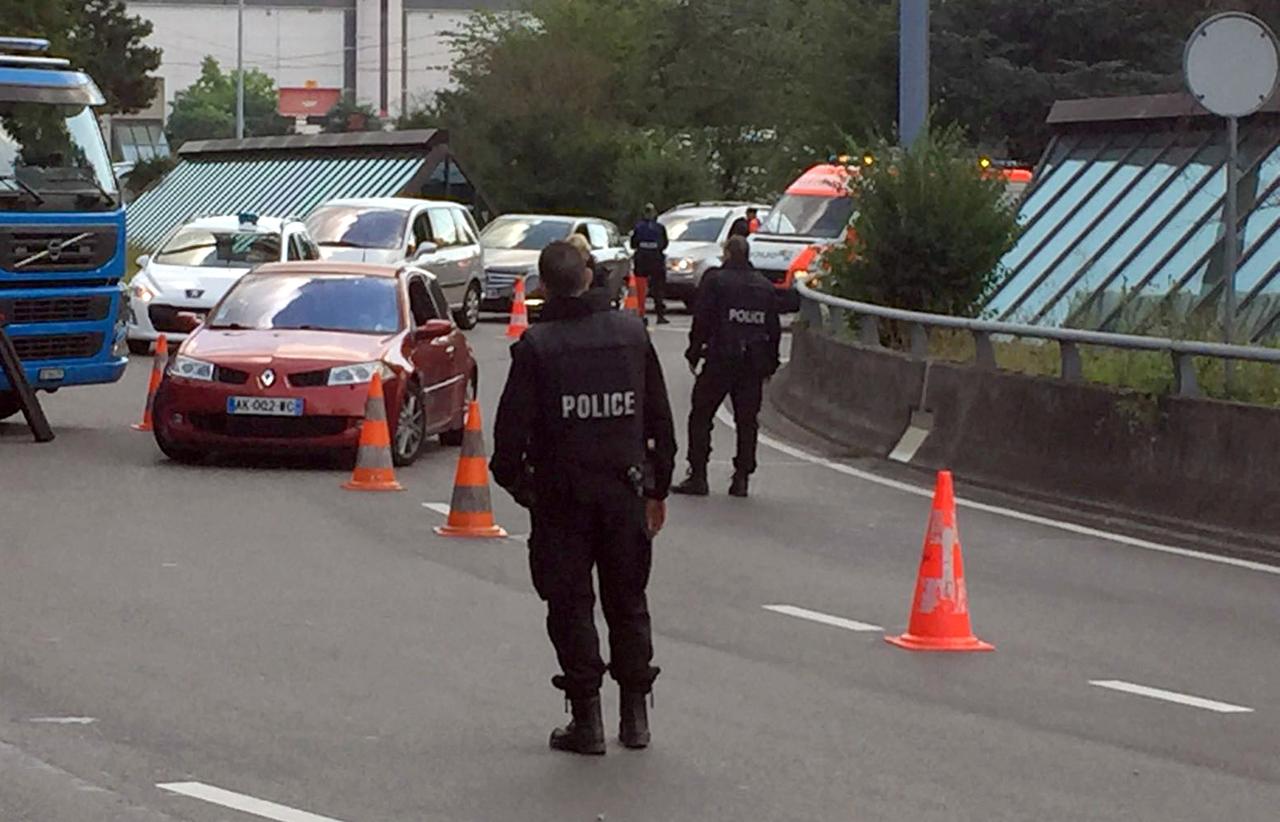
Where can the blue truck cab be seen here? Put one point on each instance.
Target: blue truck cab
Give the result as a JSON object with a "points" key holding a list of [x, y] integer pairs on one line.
{"points": [[62, 243]]}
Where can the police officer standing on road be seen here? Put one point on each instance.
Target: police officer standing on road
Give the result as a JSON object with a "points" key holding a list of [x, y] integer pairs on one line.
{"points": [[649, 241], [736, 332], [584, 439]]}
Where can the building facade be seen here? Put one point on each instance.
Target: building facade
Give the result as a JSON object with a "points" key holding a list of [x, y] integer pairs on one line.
{"points": [[389, 54]]}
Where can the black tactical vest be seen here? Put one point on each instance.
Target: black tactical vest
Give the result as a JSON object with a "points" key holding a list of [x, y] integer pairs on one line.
{"points": [[745, 300], [591, 381]]}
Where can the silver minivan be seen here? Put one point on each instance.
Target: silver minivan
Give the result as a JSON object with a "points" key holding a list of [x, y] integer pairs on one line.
{"points": [[437, 235]]}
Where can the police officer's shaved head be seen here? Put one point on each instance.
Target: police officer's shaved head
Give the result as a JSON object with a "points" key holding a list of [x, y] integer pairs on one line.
{"points": [[737, 251], [751, 212], [650, 211], [562, 270]]}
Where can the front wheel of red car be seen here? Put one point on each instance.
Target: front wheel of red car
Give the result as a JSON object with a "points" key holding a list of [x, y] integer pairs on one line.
{"points": [[175, 452], [411, 426]]}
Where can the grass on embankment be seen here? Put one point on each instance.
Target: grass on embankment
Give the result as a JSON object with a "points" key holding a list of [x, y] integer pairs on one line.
{"points": [[1148, 372]]}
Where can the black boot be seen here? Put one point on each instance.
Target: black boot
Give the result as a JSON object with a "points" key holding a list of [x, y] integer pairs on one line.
{"points": [[662, 320], [633, 730], [738, 488], [695, 484], [585, 734]]}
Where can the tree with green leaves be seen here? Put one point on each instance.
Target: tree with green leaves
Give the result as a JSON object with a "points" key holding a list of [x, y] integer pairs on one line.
{"points": [[206, 109], [98, 36], [930, 231], [348, 115]]}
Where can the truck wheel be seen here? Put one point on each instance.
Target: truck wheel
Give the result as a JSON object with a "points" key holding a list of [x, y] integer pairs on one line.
{"points": [[8, 404]]}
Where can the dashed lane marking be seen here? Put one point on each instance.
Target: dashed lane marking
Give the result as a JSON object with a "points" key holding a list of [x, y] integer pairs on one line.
{"points": [[242, 802], [825, 619], [1171, 696], [442, 508], [1070, 527], [62, 720]]}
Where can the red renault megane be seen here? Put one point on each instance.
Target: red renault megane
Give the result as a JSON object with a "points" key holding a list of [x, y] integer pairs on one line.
{"points": [[284, 361]]}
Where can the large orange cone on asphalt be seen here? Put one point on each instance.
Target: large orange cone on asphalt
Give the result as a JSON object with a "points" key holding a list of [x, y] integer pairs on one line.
{"points": [[158, 364], [374, 470], [632, 302], [940, 610], [471, 509], [519, 313]]}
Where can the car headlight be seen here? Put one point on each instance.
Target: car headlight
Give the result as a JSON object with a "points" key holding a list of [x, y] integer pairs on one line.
{"points": [[681, 265], [357, 373], [190, 368], [141, 291], [532, 285]]}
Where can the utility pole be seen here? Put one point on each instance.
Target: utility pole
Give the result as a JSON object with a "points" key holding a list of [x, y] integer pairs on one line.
{"points": [[913, 70], [240, 70]]}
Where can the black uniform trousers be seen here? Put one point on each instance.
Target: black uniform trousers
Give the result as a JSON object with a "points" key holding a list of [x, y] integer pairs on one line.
{"points": [[746, 391], [569, 538]]}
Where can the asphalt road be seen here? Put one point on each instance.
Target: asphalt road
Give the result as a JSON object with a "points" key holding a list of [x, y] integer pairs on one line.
{"points": [[253, 634]]}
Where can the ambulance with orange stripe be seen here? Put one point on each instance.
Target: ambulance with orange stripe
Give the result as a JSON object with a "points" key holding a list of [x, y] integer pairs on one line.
{"points": [[816, 211]]}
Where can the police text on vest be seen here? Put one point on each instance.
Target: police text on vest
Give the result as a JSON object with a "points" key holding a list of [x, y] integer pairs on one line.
{"points": [[605, 406], [742, 315]]}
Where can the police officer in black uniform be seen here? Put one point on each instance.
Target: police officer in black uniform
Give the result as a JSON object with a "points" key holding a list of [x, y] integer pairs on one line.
{"points": [[649, 241], [736, 332], [584, 439]]}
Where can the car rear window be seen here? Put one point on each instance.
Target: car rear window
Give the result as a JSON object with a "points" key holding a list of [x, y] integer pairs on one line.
{"points": [[363, 305], [203, 248]]}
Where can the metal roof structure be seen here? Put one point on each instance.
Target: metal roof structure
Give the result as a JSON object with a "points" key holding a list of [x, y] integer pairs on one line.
{"points": [[291, 175], [1123, 227]]}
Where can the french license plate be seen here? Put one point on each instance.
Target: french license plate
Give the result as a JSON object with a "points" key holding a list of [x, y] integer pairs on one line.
{"points": [[265, 406]]}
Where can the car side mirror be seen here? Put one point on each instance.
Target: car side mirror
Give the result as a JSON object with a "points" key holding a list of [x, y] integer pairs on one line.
{"points": [[425, 249], [433, 329], [187, 321], [143, 260]]}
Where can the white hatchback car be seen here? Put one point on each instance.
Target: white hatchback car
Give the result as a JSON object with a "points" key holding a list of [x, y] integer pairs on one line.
{"points": [[438, 235], [198, 262]]}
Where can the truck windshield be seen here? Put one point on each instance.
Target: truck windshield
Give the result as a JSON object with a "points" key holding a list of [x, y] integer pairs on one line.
{"points": [[52, 158], [807, 215]]}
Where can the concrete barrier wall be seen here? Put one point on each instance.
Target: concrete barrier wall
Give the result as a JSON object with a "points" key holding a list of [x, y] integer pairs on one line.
{"points": [[1208, 464]]}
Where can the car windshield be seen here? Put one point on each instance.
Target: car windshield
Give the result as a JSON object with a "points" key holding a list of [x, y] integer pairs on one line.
{"points": [[808, 215], [523, 233], [357, 226], [328, 302], [205, 248], [693, 228], [50, 153]]}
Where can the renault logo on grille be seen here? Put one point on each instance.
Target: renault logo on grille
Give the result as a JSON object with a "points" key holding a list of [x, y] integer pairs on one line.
{"points": [[267, 378]]}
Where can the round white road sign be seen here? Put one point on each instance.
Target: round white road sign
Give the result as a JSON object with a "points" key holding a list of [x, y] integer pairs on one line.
{"points": [[1232, 64]]}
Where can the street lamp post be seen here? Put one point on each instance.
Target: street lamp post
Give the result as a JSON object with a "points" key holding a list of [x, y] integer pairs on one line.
{"points": [[913, 70], [240, 70]]}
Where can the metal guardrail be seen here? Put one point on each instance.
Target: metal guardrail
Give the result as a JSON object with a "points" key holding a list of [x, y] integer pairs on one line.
{"points": [[1182, 352]]}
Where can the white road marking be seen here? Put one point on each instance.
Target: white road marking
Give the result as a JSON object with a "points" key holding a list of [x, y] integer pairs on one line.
{"points": [[63, 720], [1171, 696], [1071, 527], [825, 619], [242, 802]]}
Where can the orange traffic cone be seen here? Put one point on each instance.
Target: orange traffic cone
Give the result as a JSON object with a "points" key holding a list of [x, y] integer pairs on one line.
{"points": [[519, 314], [642, 295], [158, 364], [631, 304], [471, 509], [940, 610], [374, 471]]}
